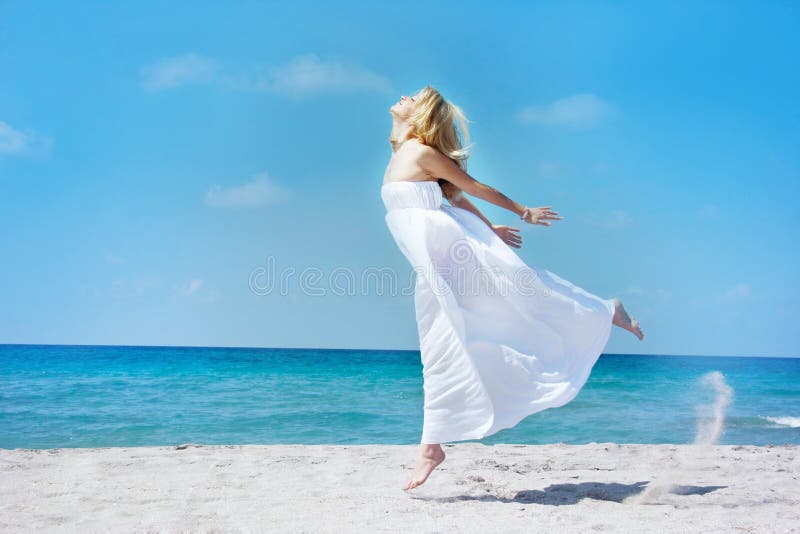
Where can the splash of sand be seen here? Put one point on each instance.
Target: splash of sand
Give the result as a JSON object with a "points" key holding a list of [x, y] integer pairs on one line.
{"points": [[709, 430]]}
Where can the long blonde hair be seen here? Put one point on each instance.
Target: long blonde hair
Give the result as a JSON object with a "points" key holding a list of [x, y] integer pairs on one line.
{"points": [[435, 124]]}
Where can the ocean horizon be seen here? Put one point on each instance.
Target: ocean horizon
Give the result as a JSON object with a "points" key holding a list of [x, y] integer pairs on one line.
{"points": [[56, 396]]}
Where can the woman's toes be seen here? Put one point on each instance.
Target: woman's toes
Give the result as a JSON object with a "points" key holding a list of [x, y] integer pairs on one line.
{"points": [[637, 329]]}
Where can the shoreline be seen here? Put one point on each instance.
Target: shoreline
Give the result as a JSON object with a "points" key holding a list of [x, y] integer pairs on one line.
{"points": [[605, 487]]}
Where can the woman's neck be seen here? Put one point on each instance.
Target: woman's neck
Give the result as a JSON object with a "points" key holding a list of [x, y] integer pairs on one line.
{"points": [[401, 132]]}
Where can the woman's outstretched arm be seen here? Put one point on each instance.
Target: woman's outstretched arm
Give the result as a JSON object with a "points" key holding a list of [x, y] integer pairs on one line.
{"points": [[456, 198], [464, 203], [506, 233], [437, 164]]}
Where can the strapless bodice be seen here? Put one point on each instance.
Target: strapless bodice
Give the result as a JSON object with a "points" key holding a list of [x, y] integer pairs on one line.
{"points": [[406, 194]]}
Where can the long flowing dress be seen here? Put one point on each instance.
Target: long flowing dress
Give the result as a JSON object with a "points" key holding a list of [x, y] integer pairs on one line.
{"points": [[499, 340]]}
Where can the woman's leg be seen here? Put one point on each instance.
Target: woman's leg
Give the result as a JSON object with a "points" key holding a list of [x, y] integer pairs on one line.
{"points": [[430, 456], [623, 320]]}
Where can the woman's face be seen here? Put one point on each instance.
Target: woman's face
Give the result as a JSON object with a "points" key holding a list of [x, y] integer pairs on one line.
{"points": [[404, 107]]}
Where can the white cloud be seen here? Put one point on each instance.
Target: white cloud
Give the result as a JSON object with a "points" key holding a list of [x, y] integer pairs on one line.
{"points": [[212, 295], [259, 190], [176, 71], [189, 288], [196, 288], [194, 285], [577, 111], [15, 142], [306, 74]]}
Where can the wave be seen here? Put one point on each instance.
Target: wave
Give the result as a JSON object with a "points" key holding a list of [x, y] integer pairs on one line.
{"points": [[793, 422]]}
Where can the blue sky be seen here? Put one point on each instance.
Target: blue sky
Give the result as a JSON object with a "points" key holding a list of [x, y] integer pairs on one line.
{"points": [[154, 155]]}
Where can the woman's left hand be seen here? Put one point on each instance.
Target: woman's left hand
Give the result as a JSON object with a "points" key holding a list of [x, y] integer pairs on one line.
{"points": [[506, 233]]}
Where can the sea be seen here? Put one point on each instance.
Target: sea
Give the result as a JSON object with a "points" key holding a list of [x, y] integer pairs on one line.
{"points": [[54, 396]]}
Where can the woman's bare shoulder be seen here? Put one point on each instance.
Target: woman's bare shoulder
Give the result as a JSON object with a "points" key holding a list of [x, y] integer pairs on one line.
{"points": [[423, 151]]}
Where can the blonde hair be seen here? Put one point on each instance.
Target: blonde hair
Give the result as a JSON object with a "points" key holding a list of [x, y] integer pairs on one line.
{"points": [[435, 124]]}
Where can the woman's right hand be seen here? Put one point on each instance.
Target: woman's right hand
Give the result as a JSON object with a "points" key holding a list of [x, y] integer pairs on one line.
{"points": [[508, 235], [540, 215]]}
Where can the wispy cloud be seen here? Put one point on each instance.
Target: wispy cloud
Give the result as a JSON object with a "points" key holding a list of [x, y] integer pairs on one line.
{"points": [[189, 288], [14, 142], [578, 111], [305, 74], [260, 190], [176, 71], [196, 288], [308, 74]]}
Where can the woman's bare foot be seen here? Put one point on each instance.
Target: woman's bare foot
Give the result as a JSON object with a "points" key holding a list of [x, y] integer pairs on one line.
{"points": [[429, 457], [623, 320]]}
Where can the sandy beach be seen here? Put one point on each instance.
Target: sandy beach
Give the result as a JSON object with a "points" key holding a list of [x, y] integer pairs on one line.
{"points": [[601, 487]]}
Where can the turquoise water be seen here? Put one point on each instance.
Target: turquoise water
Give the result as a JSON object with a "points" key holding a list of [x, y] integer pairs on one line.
{"points": [[105, 396]]}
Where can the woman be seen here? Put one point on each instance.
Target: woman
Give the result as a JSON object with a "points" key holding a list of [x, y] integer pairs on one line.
{"points": [[499, 340]]}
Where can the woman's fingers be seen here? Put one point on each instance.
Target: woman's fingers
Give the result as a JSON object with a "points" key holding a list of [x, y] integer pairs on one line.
{"points": [[553, 215], [509, 237], [547, 212]]}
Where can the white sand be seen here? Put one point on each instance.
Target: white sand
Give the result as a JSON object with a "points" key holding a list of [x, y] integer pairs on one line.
{"points": [[501, 488]]}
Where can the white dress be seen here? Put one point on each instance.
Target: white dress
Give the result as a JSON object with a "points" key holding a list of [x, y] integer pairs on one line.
{"points": [[499, 340]]}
